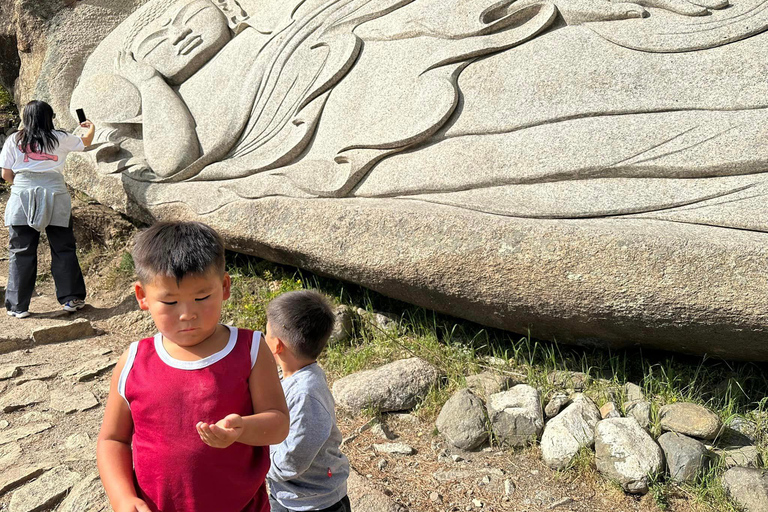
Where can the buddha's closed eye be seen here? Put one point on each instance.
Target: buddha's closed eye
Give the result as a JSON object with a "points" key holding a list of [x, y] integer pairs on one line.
{"points": [[152, 41]]}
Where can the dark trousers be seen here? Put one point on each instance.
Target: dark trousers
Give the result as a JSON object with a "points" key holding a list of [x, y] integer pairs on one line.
{"points": [[22, 270], [340, 506]]}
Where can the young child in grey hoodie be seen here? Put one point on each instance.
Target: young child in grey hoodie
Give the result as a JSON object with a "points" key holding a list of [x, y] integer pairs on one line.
{"points": [[308, 471]]}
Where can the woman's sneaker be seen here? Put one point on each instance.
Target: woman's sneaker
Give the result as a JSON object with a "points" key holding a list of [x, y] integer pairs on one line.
{"points": [[18, 314], [73, 305]]}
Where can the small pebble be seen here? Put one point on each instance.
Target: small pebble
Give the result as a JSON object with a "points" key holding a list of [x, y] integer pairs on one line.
{"points": [[477, 503], [509, 487], [435, 496], [456, 458]]}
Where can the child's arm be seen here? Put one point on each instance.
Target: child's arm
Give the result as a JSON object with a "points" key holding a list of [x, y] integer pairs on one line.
{"points": [[270, 422], [311, 426], [113, 451]]}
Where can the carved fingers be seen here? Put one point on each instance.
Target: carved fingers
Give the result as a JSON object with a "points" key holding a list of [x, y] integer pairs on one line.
{"points": [[137, 72]]}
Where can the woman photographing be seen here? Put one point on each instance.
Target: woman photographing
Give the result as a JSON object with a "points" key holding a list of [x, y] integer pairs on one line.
{"points": [[32, 161]]}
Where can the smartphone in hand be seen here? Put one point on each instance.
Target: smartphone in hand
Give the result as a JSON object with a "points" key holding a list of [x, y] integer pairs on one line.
{"points": [[80, 115]]}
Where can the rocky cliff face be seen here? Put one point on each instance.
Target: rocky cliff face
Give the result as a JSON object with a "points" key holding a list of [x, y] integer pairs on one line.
{"points": [[44, 44]]}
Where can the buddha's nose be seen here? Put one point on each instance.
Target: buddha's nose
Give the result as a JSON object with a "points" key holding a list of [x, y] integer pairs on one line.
{"points": [[180, 34]]}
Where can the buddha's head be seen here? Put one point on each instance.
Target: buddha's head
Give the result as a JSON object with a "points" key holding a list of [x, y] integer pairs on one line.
{"points": [[176, 37]]}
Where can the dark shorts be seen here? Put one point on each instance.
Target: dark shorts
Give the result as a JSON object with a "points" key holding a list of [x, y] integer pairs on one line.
{"points": [[340, 506]]}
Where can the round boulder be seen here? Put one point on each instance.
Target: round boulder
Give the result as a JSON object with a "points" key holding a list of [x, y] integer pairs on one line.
{"points": [[516, 415], [686, 457], [396, 386], [462, 420], [626, 453], [690, 419], [568, 432], [748, 488]]}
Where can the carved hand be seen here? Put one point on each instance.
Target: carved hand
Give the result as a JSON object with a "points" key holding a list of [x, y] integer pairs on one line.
{"points": [[136, 72]]}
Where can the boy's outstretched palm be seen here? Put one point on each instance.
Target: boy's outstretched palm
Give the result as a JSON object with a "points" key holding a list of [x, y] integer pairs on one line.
{"points": [[223, 433]]}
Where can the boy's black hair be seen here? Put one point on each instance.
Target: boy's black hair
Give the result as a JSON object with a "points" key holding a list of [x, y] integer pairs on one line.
{"points": [[302, 319], [177, 249]]}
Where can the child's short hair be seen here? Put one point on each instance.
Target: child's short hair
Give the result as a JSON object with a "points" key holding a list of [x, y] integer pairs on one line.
{"points": [[177, 249], [302, 319]]}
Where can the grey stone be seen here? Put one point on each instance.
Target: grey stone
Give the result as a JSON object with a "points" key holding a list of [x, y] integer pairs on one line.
{"points": [[79, 328], [39, 373], [395, 386], [381, 431], [626, 453], [686, 457], [568, 432], [86, 496], [24, 395], [516, 416], [9, 454], [15, 476], [690, 419], [748, 488], [79, 398], [487, 383], [524, 185], [394, 448], [609, 410], [343, 327], [640, 411], [740, 456], [569, 380], [45, 492], [633, 392], [462, 420], [746, 428], [77, 441], [91, 369], [4, 424], [8, 372], [14, 434], [555, 404]]}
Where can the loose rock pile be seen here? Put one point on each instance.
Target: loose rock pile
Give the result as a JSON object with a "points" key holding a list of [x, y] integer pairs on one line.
{"points": [[511, 414]]}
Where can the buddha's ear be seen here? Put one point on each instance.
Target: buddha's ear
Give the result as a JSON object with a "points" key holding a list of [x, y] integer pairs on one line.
{"points": [[234, 13]]}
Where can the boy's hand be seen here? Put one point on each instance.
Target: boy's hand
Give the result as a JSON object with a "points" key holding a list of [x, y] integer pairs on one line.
{"points": [[223, 433], [133, 505]]}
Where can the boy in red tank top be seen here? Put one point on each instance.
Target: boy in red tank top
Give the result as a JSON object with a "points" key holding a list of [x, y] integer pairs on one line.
{"points": [[191, 411]]}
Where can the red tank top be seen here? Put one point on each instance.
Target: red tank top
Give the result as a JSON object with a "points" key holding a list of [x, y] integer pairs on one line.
{"points": [[174, 470]]}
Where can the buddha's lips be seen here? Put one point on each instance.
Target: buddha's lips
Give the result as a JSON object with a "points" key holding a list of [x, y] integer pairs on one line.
{"points": [[189, 44]]}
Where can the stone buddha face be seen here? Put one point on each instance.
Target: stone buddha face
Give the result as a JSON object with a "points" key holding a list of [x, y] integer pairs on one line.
{"points": [[182, 38]]}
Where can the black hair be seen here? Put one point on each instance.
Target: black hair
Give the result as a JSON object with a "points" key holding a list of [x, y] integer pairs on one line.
{"points": [[303, 319], [177, 249], [38, 132]]}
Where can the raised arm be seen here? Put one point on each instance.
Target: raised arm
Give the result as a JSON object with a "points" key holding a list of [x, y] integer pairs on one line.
{"points": [[170, 139], [113, 450]]}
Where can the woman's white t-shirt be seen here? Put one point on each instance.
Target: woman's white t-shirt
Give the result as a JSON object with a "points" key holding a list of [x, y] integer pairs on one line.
{"points": [[13, 158]]}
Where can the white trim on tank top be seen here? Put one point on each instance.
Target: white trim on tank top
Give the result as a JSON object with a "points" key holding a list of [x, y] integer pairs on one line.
{"points": [[186, 365], [200, 363]]}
